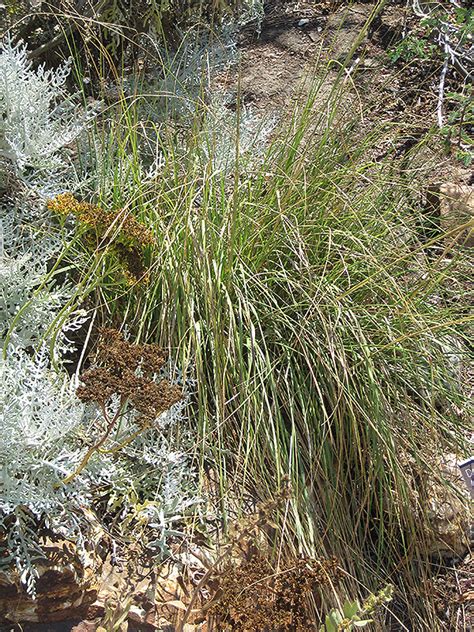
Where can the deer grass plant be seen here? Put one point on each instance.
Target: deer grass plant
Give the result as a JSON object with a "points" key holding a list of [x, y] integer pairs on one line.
{"points": [[292, 284]]}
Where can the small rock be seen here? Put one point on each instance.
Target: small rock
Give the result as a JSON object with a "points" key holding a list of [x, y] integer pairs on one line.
{"points": [[449, 513], [66, 586], [456, 209], [136, 614], [85, 626], [370, 63]]}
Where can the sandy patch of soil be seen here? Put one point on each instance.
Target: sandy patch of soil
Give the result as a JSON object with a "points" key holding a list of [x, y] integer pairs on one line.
{"points": [[299, 39]]}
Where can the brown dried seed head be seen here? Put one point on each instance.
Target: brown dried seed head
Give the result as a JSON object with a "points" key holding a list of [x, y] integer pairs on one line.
{"points": [[127, 370], [98, 385], [153, 399], [251, 596]]}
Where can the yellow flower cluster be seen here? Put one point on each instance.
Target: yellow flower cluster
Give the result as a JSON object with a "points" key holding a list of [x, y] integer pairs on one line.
{"points": [[132, 232]]}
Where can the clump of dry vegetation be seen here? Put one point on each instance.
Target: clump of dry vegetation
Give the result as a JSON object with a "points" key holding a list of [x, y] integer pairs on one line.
{"points": [[256, 596]]}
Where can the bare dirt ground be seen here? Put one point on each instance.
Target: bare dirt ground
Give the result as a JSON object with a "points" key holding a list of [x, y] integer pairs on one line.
{"points": [[298, 37]]}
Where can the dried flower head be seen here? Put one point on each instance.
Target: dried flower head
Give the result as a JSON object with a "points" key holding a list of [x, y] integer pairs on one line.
{"points": [[255, 597], [128, 371], [103, 221]]}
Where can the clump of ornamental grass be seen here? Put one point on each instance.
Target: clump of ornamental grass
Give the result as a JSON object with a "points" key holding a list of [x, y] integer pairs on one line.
{"points": [[298, 292]]}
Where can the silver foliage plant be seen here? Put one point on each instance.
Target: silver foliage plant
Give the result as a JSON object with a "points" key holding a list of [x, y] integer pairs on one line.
{"points": [[39, 414], [28, 309], [45, 433], [45, 430], [37, 121], [30, 297], [38, 117]]}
